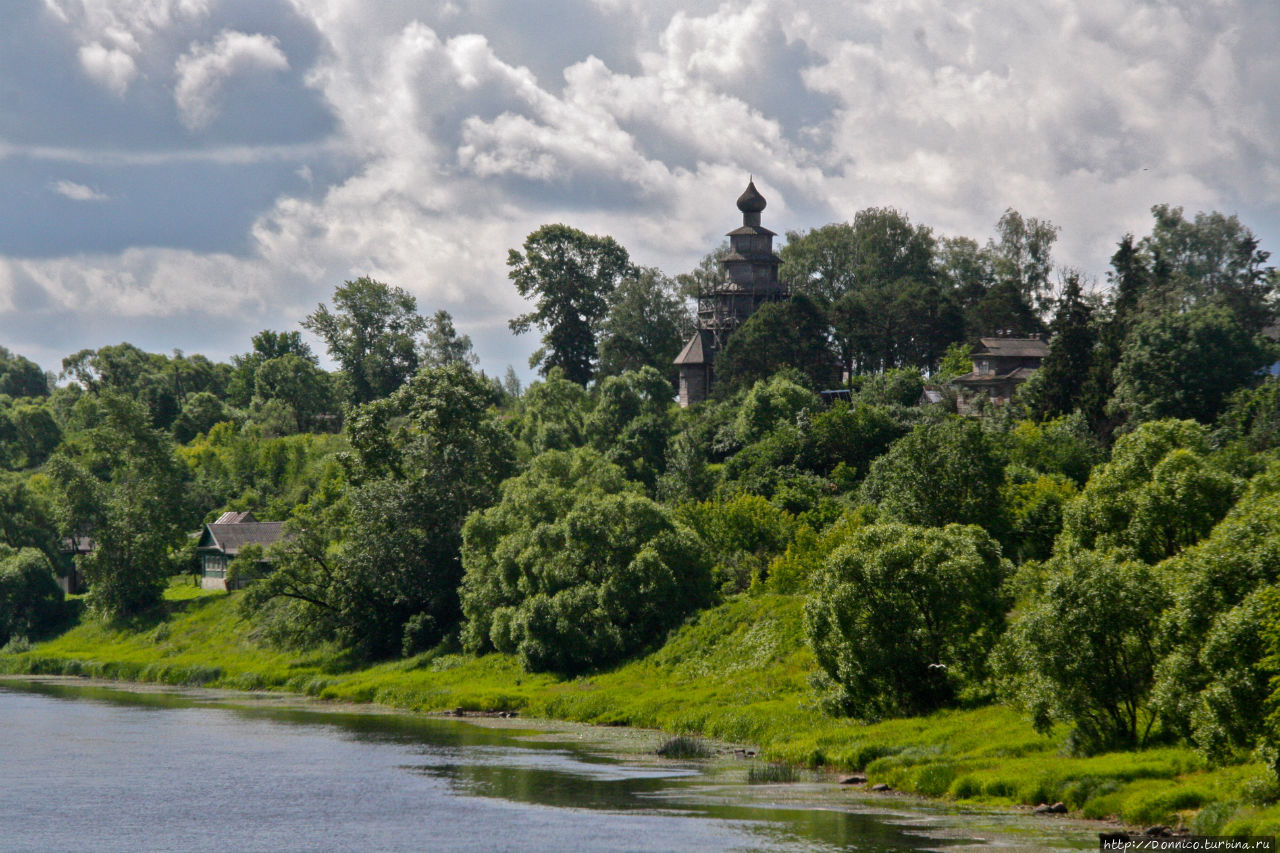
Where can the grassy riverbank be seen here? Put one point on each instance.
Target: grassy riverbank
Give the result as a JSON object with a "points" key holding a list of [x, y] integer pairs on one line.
{"points": [[738, 673]]}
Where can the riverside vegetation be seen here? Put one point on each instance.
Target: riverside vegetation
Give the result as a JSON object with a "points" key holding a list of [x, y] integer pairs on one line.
{"points": [[1073, 597]]}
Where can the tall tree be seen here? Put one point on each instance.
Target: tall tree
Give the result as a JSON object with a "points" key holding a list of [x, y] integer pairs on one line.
{"points": [[372, 332], [21, 377], [444, 346], [1058, 386], [1215, 260], [779, 335], [121, 485], [646, 325], [1023, 257], [569, 274], [1186, 365], [380, 567]]}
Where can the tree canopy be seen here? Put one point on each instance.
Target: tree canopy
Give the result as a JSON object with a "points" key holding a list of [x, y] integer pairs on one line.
{"points": [[570, 276]]}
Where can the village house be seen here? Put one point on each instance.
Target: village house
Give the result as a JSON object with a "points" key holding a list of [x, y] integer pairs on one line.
{"points": [[1000, 365], [69, 577], [221, 541]]}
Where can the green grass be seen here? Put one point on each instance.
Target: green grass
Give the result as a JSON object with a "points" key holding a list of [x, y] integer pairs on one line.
{"points": [[683, 746], [738, 672]]}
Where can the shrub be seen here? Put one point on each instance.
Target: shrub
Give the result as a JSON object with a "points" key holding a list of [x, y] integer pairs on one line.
{"points": [[901, 617], [30, 598], [683, 746], [1083, 650], [573, 570]]}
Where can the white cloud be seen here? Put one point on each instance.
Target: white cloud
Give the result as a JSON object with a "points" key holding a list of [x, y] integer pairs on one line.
{"points": [[113, 33], [148, 283], [110, 68], [449, 149], [205, 68], [77, 192]]}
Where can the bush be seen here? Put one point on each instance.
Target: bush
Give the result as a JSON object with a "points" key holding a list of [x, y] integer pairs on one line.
{"points": [[683, 746], [939, 473], [1083, 650], [744, 534], [573, 570], [902, 618], [1157, 495], [30, 598]]}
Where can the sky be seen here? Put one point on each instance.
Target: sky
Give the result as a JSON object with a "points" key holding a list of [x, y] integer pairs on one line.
{"points": [[181, 174]]}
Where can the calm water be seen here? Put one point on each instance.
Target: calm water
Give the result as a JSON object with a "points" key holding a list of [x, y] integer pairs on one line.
{"points": [[90, 768]]}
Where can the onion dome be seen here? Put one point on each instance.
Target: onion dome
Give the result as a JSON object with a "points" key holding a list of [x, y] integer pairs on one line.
{"points": [[751, 201]]}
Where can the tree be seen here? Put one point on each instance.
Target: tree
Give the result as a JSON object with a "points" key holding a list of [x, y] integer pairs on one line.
{"points": [[21, 377], [902, 618], [1186, 365], [1158, 494], [1212, 684], [299, 384], [570, 275], [121, 485], [199, 413], [1083, 650], [379, 568], [743, 534], [1058, 387], [372, 333], [444, 346], [30, 598], [26, 517], [1022, 257], [822, 263], [1211, 260], [939, 473], [646, 325], [573, 570], [552, 414], [35, 433], [267, 345], [631, 423], [779, 335]]}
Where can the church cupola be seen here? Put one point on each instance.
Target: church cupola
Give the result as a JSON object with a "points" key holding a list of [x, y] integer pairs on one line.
{"points": [[751, 203]]}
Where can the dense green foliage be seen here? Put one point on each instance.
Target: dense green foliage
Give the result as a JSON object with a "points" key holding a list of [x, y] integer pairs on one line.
{"points": [[902, 618], [30, 598], [1083, 650], [379, 568], [570, 275], [572, 569], [121, 484], [372, 332]]}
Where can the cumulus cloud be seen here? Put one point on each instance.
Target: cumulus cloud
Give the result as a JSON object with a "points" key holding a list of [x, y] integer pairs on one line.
{"points": [[449, 148], [110, 68], [113, 33], [77, 192], [205, 68]]}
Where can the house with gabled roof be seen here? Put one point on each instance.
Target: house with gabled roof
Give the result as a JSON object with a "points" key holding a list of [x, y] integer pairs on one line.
{"points": [[1000, 365], [221, 541]]}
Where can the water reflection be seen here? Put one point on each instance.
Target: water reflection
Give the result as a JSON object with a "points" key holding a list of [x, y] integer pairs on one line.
{"points": [[223, 771]]}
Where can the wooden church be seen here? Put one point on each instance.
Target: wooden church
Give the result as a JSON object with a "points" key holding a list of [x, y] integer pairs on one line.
{"points": [[750, 279]]}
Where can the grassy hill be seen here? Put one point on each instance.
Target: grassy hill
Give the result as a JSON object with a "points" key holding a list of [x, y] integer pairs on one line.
{"points": [[738, 672]]}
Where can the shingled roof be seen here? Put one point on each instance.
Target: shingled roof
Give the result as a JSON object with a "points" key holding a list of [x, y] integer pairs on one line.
{"points": [[1013, 347], [229, 538], [698, 350]]}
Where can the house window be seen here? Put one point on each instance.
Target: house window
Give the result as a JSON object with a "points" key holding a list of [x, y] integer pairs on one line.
{"points": [[215, 565]]}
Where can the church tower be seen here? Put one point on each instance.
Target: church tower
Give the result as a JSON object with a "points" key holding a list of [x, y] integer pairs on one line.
{"points": [[750, 279]]}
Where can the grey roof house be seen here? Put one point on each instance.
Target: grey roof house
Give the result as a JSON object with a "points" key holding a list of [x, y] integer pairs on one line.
{"points": [[222, 540], [1000, 365]]}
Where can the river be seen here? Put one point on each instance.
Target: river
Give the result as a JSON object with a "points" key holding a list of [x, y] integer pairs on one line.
{"points": [[98, 768]]}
